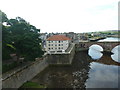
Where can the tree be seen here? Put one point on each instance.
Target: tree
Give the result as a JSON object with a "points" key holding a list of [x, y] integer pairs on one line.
{"points": [[22, 38], [26, 39], [6, 38], [3, 17]]}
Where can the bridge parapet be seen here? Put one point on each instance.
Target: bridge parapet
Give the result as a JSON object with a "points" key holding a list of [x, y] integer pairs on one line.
{"points": [[107, 46]]}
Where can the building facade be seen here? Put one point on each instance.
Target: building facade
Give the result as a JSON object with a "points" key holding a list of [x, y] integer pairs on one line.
{"points": [[57, 43]]}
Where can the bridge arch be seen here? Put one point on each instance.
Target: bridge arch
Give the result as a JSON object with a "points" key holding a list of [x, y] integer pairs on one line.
{"points": [[96, 47], [95, 51], [115, 56], [116, 48], [107, 46]]}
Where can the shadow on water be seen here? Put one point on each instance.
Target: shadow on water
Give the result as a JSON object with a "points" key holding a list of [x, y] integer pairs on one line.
{"points": [[73, 76], [107, 60], [78, 75], [104, 73]]}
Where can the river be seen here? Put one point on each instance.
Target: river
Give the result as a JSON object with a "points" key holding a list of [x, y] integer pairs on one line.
{"points": [[110, 39], [84, 73]]}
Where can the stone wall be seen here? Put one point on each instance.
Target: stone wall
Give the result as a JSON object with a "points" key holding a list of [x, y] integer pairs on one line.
{"points": [[62, 58], [107, 46], [16, 78], [19, 76]]}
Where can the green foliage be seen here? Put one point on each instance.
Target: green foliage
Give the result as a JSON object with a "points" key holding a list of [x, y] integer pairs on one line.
{"points": [[21, 38], [32, 85], [8, 67], [6, 43], [11, 46], [109, 32], [5, 54], [3, 16]]}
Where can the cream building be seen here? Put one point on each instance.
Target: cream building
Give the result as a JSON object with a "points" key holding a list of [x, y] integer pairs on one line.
{"points": [[57, 43]]}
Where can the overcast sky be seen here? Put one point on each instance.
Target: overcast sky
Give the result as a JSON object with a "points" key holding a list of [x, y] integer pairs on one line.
{"points": [[65, 15]]}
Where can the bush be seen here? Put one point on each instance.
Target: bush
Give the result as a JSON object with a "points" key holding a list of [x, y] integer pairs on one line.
{"points": [[5, 55], [7, 67]]}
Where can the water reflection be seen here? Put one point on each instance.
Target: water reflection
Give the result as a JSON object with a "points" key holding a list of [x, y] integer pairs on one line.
{"points": [[83, 73], [103, 76], [95, 51], [73, 76], [107, 60], [95, 54], [104, 73], [116, 52], [116, 57], [110, 39]]}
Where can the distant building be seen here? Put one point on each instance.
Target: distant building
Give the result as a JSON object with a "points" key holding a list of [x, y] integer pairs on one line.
{"points": [[43, 37], [83, 36], [71, 35], [57, 43]]}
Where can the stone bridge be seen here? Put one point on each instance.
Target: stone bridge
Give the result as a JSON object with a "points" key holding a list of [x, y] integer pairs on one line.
{"points": [[107, 46]]}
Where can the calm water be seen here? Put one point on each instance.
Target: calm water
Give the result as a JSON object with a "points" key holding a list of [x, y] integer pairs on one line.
{"points": [[83, 73], [110, 39]]}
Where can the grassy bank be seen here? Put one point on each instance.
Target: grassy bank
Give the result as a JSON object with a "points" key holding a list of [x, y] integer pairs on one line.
{"points": [[32, 85]]}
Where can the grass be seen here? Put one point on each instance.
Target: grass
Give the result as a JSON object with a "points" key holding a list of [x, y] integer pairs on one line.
{"points": [[32, 85]]}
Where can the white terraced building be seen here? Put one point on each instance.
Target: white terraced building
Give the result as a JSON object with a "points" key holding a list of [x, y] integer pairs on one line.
{"points": [[57, 43]]}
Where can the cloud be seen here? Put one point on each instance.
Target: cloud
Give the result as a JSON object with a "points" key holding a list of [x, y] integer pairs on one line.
{"points": [[102, 76], [65, 15]]}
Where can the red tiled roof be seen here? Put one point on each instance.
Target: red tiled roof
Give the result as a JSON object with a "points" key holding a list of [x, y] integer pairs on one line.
{"points": [[58, 38]]}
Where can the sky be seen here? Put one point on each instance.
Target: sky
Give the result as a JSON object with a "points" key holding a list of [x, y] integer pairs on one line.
{"points": [[65, 15]]}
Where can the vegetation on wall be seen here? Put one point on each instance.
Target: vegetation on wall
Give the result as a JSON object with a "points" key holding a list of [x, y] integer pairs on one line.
{"points": [[21, 38]]}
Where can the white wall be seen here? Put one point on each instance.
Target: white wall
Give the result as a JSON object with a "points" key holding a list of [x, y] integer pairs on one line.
{"points": [[54, 45]]}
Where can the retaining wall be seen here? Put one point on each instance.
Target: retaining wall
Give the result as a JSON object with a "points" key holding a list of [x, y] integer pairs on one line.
{"points": [[62, 58], [16, 78]]}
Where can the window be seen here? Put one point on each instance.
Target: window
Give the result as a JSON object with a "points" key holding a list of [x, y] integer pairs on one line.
{"points": [[59, 44], [49, 44], [59, 47], [49, 48], [59, 41], [55, 44]]}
